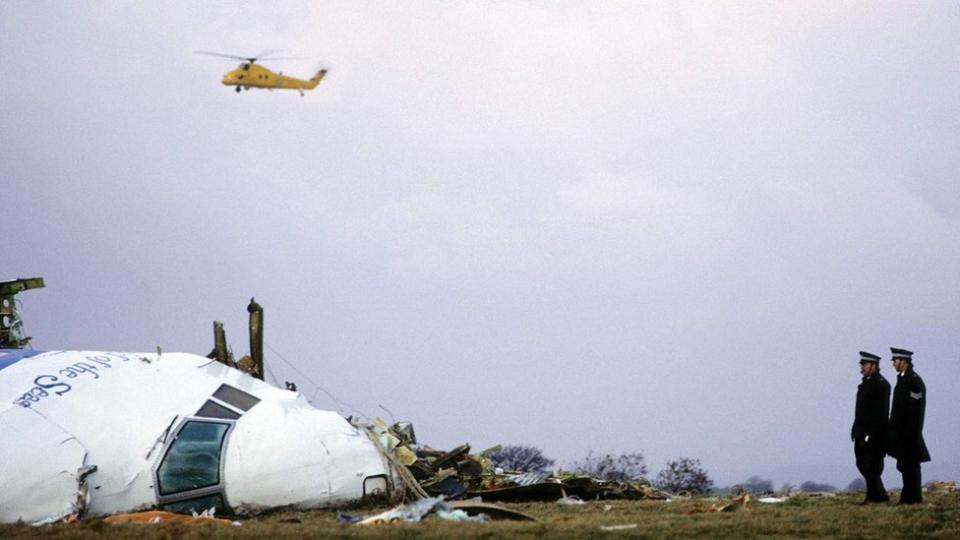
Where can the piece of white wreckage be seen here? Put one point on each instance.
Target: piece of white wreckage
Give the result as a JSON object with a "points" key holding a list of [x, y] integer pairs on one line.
{"points": [[98, 433]]}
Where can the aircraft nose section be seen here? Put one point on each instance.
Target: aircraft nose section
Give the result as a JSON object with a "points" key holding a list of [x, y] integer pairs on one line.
{"points": [[287, 453]]}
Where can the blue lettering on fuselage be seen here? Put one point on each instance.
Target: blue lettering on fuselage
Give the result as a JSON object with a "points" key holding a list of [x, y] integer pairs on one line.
{"points": [[46, 384]]}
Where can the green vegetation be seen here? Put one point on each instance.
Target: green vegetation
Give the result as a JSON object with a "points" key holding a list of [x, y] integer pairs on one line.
{"points": [[803, 516]]}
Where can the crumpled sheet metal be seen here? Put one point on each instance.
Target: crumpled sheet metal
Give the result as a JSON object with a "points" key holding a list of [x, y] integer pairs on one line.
{"points": [[462, 511], [405, 455], [543, 491], [408, 513], [441, 473], [473, 507], [526, 479]]}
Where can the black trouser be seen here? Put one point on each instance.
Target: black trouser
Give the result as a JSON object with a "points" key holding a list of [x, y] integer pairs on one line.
{"points": [[870, 465], [910, 469]]}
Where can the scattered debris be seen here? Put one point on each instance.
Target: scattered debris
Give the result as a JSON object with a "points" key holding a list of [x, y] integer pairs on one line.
{"points": [[457, 474], [823, 494], [467, 511], [256, 338], [159, 516], [940, 486], [460, 515], [572, 500], [348, 518], [219, 352], [82, 496], [771, 499], [618, 527], [736, 504], [11, 327], [495, 512], [463, 511], [410, 513]]}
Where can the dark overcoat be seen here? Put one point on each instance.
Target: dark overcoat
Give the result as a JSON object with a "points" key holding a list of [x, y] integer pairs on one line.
{"points": [[870, 416], [905, 437]]}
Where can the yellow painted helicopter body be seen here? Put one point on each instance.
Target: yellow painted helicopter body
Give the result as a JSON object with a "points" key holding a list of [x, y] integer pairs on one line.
{"points": [[249, 75]]}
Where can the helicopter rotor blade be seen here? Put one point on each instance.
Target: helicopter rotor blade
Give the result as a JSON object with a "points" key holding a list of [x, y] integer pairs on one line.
{"points": [[264, 55], [272, 58], [221, 55], [266, 52]]}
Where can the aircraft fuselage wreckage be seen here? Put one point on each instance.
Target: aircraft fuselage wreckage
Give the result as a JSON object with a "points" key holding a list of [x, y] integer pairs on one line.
{"points": [[100, 432], [249, 74]]}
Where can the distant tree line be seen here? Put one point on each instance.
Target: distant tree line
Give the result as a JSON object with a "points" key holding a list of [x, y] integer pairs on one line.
{"points": [[518, 457], [755, 484], [620, 468], [858, 484], [811, 486], [683, 475]]}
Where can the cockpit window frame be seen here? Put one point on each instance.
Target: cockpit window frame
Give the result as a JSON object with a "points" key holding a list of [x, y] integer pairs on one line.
{"points": [[225, 406], [216, 489], [215, 410], [235, 398]]}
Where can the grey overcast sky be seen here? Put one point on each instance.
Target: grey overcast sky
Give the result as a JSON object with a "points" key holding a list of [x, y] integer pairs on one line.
{"points": [[609, 226]]}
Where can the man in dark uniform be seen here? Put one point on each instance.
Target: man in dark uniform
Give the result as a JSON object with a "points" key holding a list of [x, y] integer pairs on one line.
{"points": [[905, 438], [869, 430]]}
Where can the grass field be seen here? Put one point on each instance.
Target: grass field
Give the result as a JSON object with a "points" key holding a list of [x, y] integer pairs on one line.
{"points": [[803, 516]]}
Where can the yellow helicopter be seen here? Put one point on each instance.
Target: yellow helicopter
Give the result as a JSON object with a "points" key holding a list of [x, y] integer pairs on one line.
{"points": [[252, 75]]}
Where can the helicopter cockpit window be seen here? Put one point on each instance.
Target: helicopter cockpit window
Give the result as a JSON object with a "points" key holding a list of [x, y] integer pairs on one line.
{"points": [[193, 460]]}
